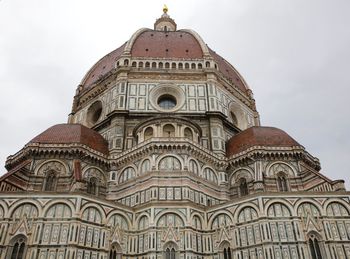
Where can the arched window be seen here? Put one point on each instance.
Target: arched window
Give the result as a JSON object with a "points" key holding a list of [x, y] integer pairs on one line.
{"points": [[170, 219], [200, 66], [209, 175], [227, 253], [169, 163], [140, 64], [160, 65], [154, 65], [336, 209], [115, 252], [207, 64], [247, 214], [145, 166], [193, 167], [127, 174], [148, 133], [134, 64], [170, 253], [282, 183], [173, 65], [314, 246], [193, 66], [91, 214], [168, 131], [92, 186], [167, 65], [188, 134], [187, 66], [234, 119], [50, 181], [59, 211], [147, 65], [180, 66], [196, 223], [143, 223], [278, 210], [18, 247], [126, 62], [221, 220], [243, 187], [118, 221]]}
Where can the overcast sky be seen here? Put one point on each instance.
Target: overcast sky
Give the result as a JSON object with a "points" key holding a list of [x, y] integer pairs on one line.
{"points": [[294, 55]]}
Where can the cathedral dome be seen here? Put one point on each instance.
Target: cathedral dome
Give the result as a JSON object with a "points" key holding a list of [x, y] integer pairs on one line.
{"points": [[72, 134], [162, 44], [259, 136]]}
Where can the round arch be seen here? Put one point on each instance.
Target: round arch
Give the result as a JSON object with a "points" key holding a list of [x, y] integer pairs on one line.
{"points": [[139, 169], [170, 155], [96, 168], [249, 175], [196, 214], [236, 109], [196, 162], [212, 169], [139, 217], [4, 207], [59, 201], [121, 214], [284, 202], [227, 213], [42, 164], [308, 200], [268, 168], [120, 173], [21, 202], [91, 205], [334, 200], [242, 207], [156, 219]]}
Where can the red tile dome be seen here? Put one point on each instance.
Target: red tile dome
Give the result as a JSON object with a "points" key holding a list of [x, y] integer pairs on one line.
{"points": [[72, 134], [153, 44], [259, 136]]}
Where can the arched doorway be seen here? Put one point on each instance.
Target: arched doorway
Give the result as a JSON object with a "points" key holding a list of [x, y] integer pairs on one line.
{"points": [[17, 247]]}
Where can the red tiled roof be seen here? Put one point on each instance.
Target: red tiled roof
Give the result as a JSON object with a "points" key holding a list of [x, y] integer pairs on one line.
{"points": [[259, 136], [160, 44], [14, 170], [72, 133], [102, 67], [228, 71]]}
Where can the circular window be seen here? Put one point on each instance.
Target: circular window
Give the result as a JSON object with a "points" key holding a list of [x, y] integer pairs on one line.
{"points": [[167, 102], [167, 98], [94, 113]]}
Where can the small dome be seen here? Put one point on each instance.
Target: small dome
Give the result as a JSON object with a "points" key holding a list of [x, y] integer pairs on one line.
{"points": [[259, 136], [72, 134]]}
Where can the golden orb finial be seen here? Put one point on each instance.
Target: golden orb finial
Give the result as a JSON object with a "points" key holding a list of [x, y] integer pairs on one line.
{"points": [[165, 9]]}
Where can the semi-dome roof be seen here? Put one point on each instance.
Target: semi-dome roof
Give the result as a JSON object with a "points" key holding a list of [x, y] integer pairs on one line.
{"points": [[72, 134], [259, 136], [171, 44]]}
